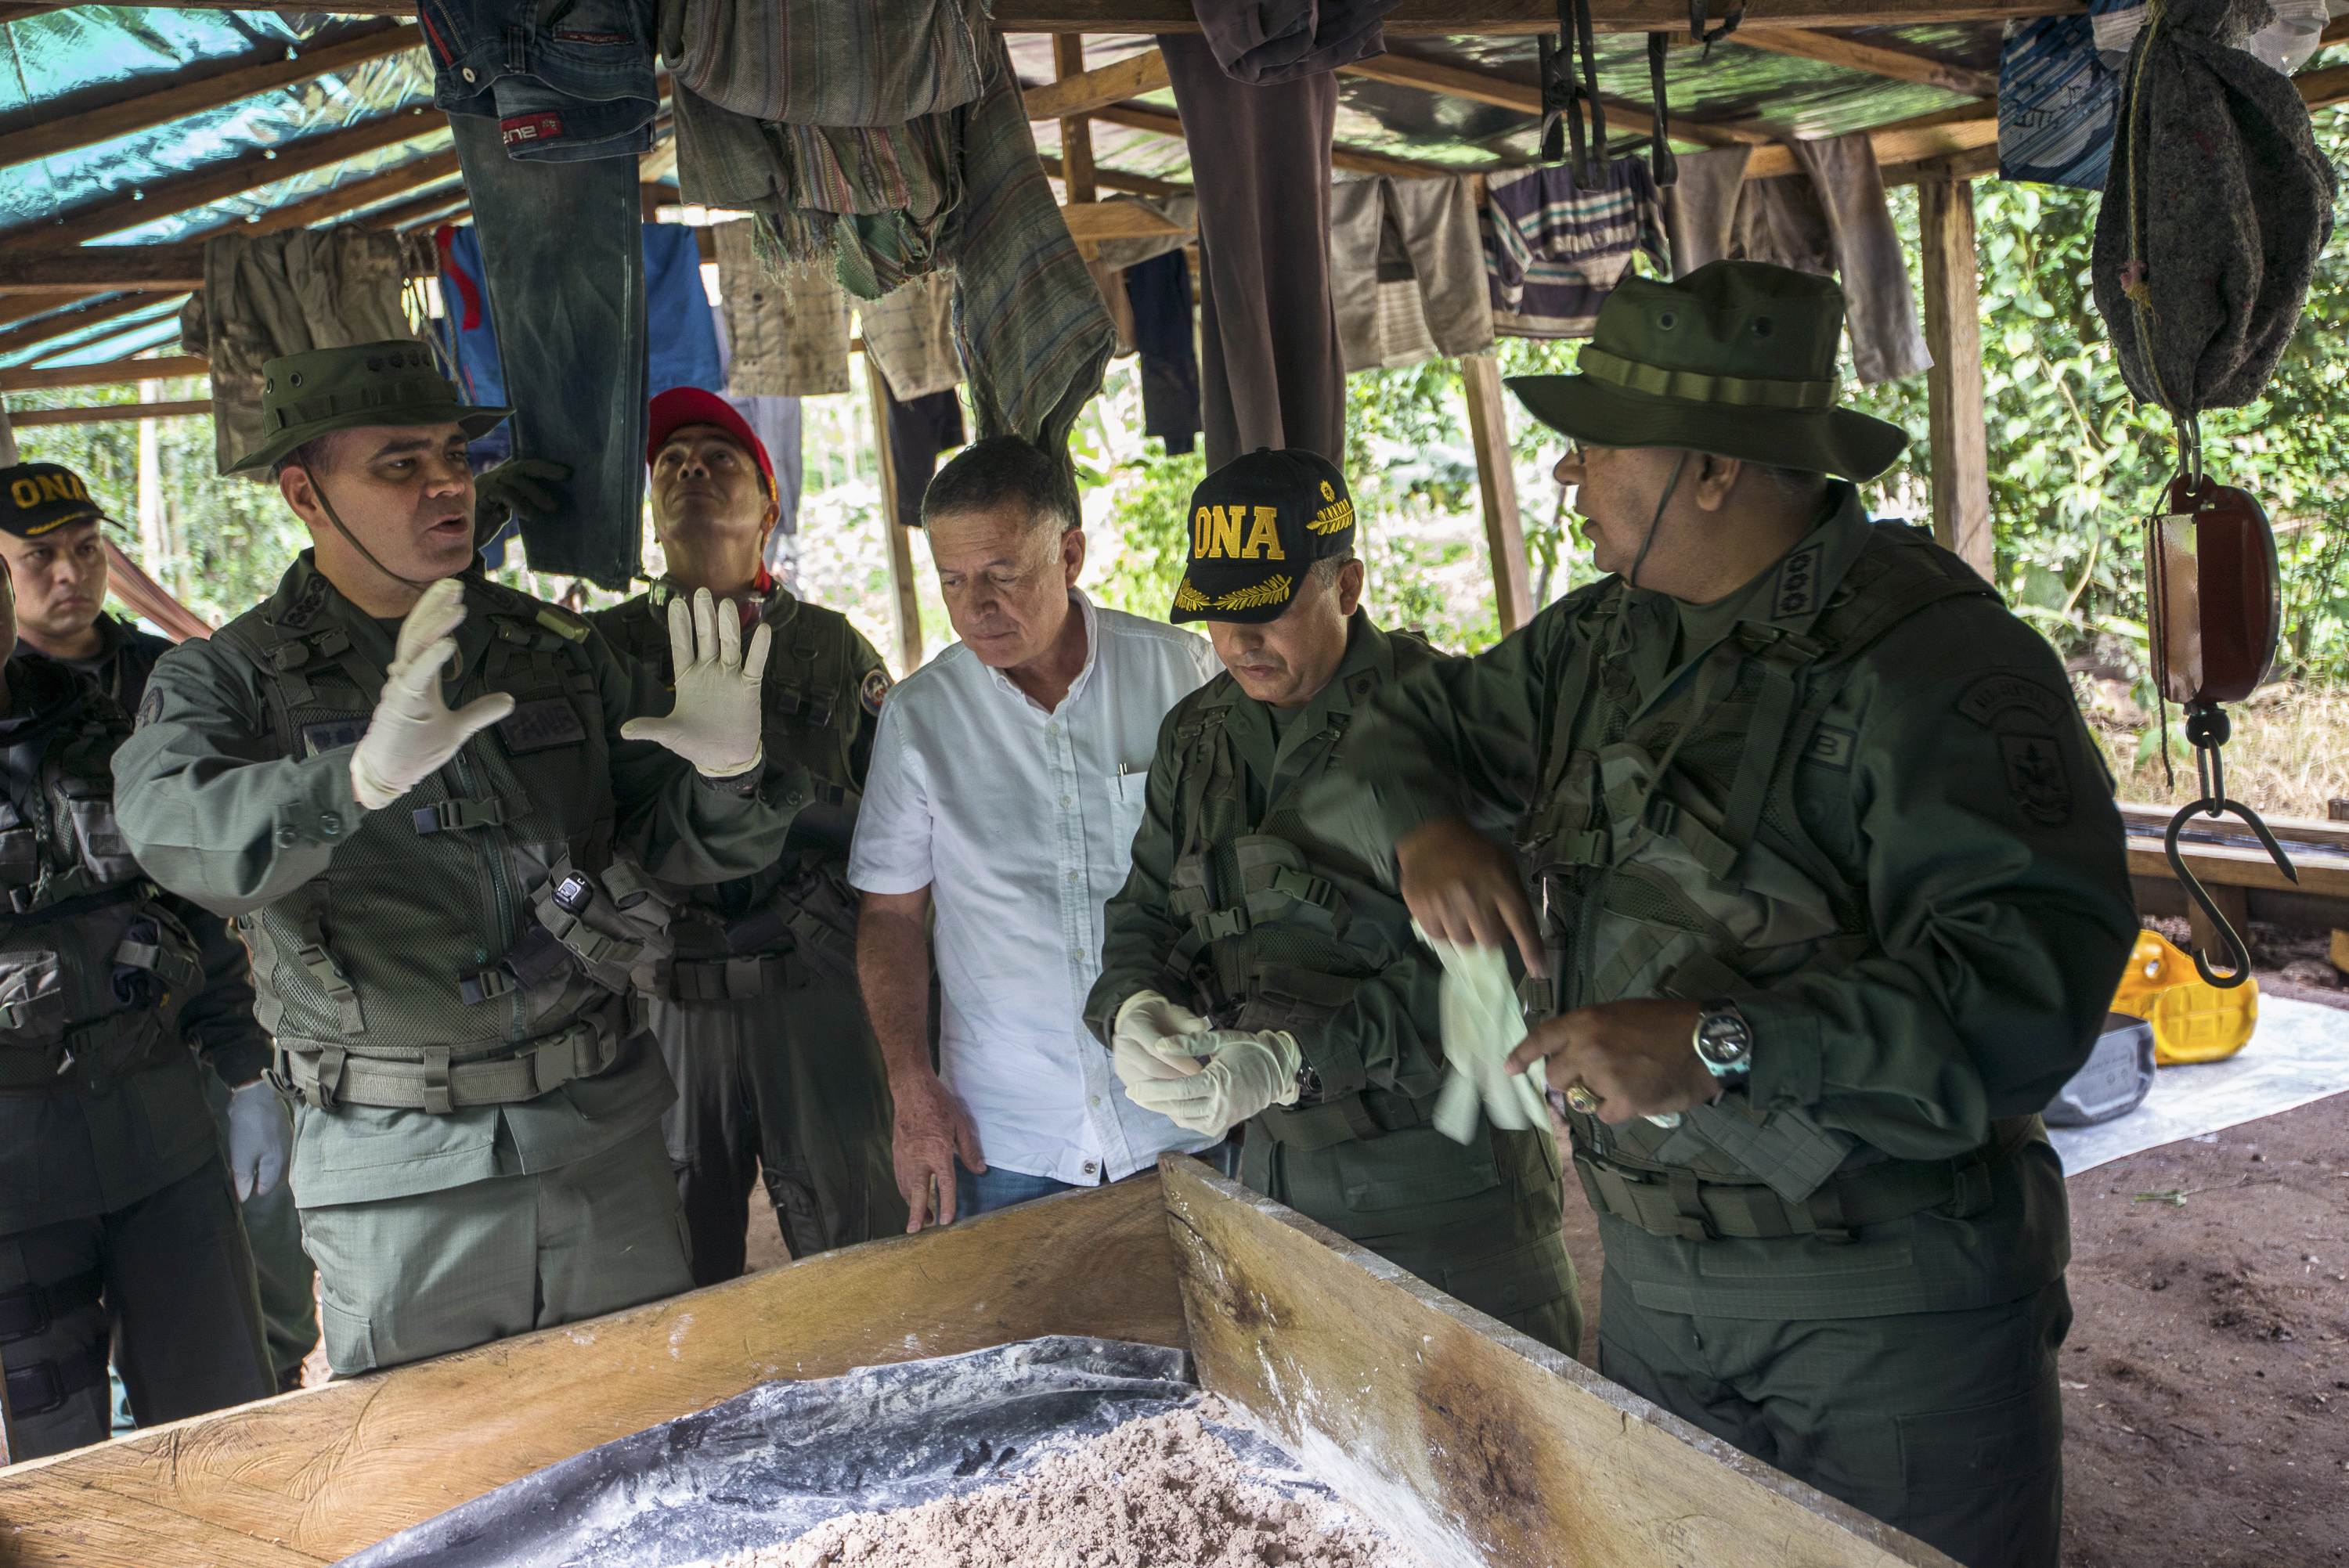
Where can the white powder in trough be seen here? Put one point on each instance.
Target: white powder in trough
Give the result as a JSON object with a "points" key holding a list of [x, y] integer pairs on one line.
{"points": [[1159, 1492]]}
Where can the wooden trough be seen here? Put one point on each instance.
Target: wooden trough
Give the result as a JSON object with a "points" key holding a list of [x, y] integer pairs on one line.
{"points": [[1472, 1442]]}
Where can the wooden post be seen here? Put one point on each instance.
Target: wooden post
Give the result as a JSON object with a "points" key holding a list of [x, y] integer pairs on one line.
{"points": [[902, 593], [1497, 482], [1954, 387], [7, 440], [1076, 135], [154, 546]]}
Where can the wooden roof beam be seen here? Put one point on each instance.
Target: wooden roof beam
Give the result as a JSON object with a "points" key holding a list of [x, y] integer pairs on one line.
{"points": [[1098, 88], [50, 328], [196, 89], [1505, 92], [1527, 18], [1941, 134], [1874, 59], [1355, 160], [1119, 180], [235, 176], [113, 373], [103, 413]]}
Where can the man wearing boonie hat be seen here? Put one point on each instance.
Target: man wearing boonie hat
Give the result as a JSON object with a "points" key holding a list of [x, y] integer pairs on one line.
{"points": [[1255, 972], [1814, 861], [445, 903], [56, 564], [758, 1011]]}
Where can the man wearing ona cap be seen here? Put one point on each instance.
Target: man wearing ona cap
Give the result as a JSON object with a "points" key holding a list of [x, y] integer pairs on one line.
{"points": [[56, 564], [1254, 972], [117, 1218], [1822, 861], [757, 1012], [445, 904]]}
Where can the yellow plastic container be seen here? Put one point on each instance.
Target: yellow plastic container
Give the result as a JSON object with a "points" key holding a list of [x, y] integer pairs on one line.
{"points": [[2193, 1020]]}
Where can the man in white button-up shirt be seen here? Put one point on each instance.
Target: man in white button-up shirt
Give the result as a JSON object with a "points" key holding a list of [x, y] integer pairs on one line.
{"points": [[1007, 781]]}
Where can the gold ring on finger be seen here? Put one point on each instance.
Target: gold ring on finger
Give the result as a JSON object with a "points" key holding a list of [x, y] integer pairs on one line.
{"points": [[1579, 1097]]}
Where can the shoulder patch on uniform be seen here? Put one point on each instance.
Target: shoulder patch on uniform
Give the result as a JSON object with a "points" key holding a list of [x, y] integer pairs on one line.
{"points": [[2037, 778], [1797, 593], [563, 624], [151, 707], [306, 605], [2003, 691], [875, 690]]}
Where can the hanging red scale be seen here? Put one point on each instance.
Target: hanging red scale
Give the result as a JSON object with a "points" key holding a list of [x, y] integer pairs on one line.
{"points": [[2216, 610]]}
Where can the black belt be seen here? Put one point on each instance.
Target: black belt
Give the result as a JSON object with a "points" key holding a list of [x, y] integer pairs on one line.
{"points": [[38, 1389], [30, 1309]]}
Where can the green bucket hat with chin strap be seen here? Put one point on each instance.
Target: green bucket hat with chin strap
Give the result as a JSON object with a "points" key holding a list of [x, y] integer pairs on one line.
{"points": [[308, 395], [1737, 358]]}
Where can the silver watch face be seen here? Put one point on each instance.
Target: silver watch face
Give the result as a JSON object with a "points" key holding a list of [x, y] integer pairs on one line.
{"points": [[1723, 1039]]}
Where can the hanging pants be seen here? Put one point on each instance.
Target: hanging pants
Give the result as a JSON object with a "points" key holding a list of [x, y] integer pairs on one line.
{"points": [[1946, 1425], [790, 1085], [404, 1278], [168, 1279]]}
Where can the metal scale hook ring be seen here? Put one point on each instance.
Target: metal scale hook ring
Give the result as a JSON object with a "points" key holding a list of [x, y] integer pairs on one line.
{"points": [[2206, 730]]}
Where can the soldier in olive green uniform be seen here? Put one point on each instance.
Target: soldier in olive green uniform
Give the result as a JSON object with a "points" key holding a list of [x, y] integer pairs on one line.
{"points": [[758, 1011], [1826, 875], [444, 905], [57, 563], [1315, 1005], [116, 1216]]}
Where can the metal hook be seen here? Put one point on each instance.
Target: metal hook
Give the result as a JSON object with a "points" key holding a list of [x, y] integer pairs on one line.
{"points": [[2239, 953]]}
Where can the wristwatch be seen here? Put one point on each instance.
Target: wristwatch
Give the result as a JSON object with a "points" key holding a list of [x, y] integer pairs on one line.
{"points": [[1723, 1041]]}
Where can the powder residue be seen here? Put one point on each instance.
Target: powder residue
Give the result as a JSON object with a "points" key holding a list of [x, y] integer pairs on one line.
{"points": [[1162, 1493]]}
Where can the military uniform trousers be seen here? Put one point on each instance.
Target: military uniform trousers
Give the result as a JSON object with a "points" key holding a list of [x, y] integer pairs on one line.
{"points": [[1484, 1231], [786, 1083], [167, 1278], [288, 1281], [405, 1278], [1946, 1425]]}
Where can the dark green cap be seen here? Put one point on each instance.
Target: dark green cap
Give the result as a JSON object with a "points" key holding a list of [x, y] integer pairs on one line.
{"points": [[1737, 358], [1257, 523], [308, 395]]}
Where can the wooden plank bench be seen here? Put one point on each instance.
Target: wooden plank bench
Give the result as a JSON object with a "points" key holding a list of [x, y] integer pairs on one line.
{"points": [[1482, 1447]]}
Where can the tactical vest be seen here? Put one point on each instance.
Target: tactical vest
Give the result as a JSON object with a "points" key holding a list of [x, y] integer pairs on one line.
{"points": [[1669, 859], [1268, 941], [471, 944], [94, 968], [796, 921]]}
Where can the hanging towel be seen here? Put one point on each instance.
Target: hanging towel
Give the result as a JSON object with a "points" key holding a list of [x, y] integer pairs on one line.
{"points": [[1271, 373], [1407, 271], [909, 334], [788, 328], [271, 295], [1879, 306], [1701, 207], [1160, 294], [1553, 252]]}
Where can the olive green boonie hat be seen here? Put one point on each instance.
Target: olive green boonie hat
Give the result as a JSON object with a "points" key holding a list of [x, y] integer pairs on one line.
{"points": [[1736, 358], [305, 395]]}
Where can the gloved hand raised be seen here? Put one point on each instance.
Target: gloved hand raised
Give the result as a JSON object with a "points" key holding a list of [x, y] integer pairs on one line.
{"points": [[412, 731], [1150, 1039], [260, 1139], [519, 484], [1247, 1071], [715, 722]]}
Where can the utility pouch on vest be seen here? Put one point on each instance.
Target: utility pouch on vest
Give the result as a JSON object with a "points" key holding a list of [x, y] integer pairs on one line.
{"points": [[609, 927], [1301, 1001], [1679, 1203], [133, 967]]}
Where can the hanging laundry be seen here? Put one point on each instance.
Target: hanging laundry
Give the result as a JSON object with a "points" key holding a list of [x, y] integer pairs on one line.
{"points": [[1879, 306], [2059, 97], [828, 62], [1261, 43], [1553, 252], [1182, 211], [271, 295], [1159, 291], [789, 329], [1701, 207], [776, 421], [1407, 271], [561, 83], [909, 334], [1270, 373], [920, 429], [891, 201]]}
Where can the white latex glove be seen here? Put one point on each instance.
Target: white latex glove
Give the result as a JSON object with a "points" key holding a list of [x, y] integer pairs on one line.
{"points": [[715, 722], [1246, 1071], [1150, 1038], [412, 731], [1477, 1009], [260, 1139]]}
